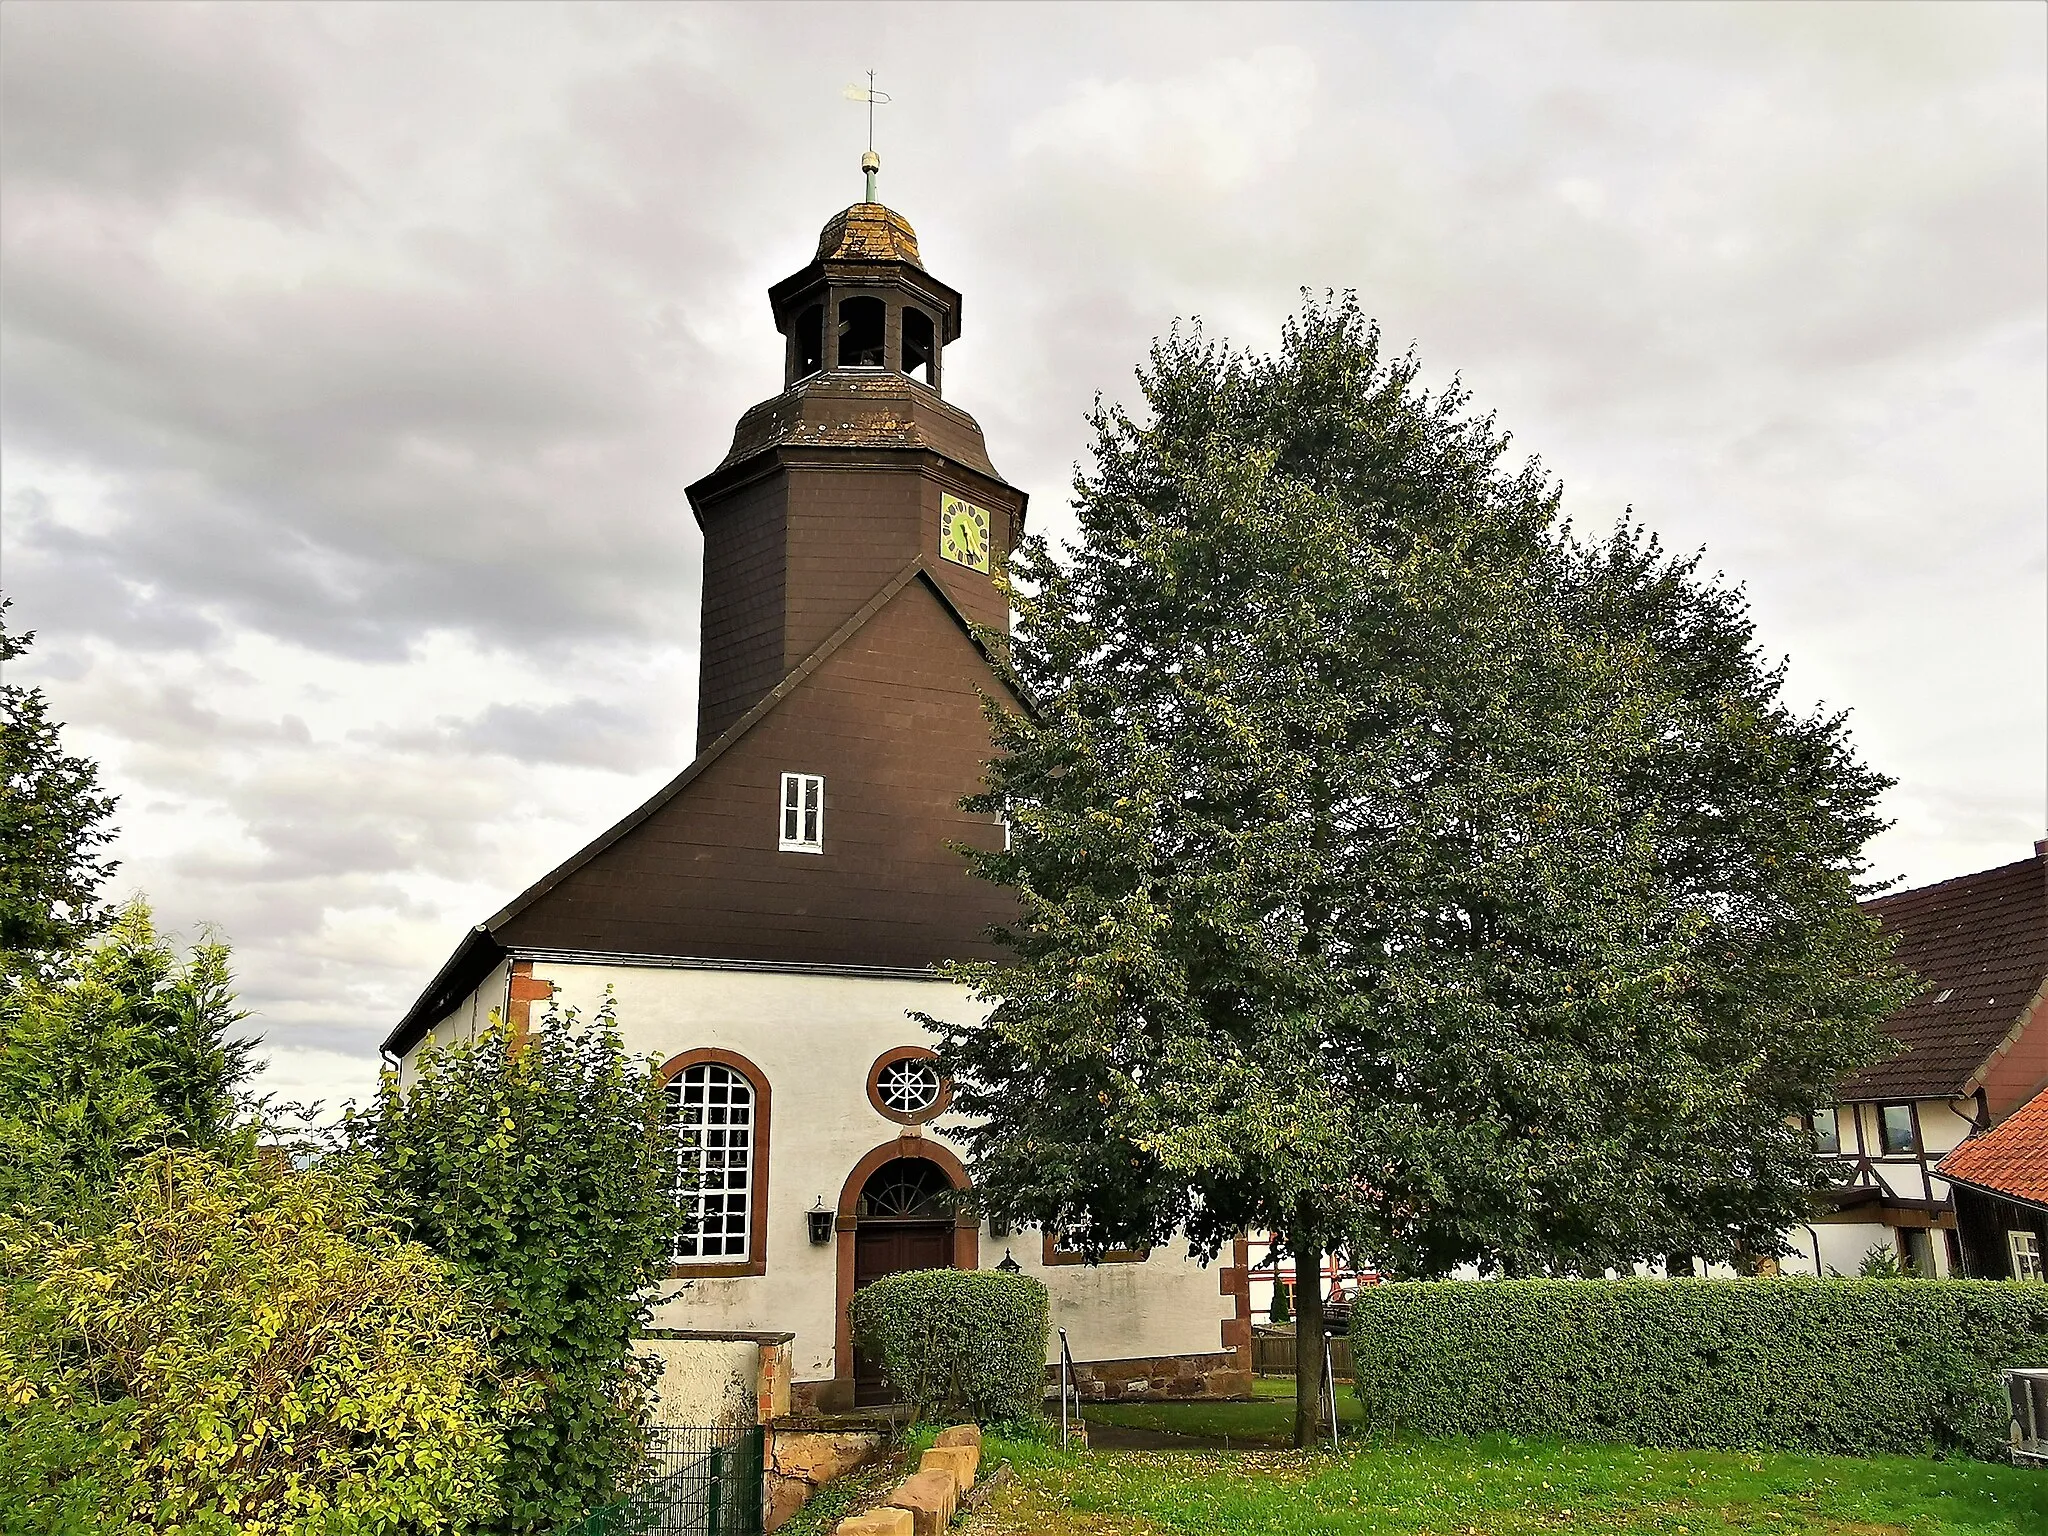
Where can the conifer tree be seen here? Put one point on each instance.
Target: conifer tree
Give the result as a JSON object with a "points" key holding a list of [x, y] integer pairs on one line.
{"points": [[1398, 871], [53, 818]]}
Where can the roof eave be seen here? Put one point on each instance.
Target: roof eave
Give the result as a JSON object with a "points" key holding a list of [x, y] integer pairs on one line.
{"points": [[473, 960]]}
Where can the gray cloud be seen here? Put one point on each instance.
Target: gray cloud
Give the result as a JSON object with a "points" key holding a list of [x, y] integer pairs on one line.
{"points": [[356, 357]]}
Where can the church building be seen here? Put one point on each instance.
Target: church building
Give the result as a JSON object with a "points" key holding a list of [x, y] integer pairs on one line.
{"points": [[771, 918]]}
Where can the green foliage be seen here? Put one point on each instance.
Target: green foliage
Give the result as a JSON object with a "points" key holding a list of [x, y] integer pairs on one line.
{"points": [[1397, 870], [242, 1349], [124, 1050], [544, 1170], [52, 819], [1282, 1311], [1881, 1262], [958, 1342], [1836, 1366]]}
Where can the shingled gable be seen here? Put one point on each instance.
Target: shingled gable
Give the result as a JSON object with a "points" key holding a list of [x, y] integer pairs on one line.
{"points": [[691, 874], [1980, 942]]}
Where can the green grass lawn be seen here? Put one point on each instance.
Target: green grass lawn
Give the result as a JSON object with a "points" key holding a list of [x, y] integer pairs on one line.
{"points": [[1268, 1418], [1495, 1484]]}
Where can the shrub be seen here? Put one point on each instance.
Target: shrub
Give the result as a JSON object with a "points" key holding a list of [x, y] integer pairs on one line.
{"points": [[544, 1171], [1854, 1367], [238, 1348], [958, 1341]]}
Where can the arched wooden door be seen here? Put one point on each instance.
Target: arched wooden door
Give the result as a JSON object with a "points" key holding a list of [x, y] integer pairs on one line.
{"points": [[905, 1220]]}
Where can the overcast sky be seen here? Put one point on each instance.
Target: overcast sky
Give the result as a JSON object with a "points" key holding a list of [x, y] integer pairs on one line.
{"points": [[356, 357]]}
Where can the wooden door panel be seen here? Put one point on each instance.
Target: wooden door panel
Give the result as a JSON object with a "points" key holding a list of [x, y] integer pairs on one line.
{"points": [[880, 1250]]}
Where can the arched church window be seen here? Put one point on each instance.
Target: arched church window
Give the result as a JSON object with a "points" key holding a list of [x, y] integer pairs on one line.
{"points": [[713, 1106], [920, 355], [907, 1189], [810, 341], [861, 322]]}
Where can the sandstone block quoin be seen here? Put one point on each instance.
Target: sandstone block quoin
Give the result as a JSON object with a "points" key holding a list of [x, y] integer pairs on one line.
{"points": [[931, 1497], [956, 1461], [877, 1522]]}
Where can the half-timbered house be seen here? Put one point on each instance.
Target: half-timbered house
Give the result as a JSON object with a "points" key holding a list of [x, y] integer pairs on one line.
{"points": [[1999, 1182], [1973, 1047]]}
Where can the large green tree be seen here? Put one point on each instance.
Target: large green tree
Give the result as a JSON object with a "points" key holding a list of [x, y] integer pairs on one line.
{"points": [[543, 1167], [126, 1047], [1399, 871], [53, 821]]}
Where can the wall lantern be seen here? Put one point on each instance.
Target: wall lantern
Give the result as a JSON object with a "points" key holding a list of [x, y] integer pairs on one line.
{"points": [[820, 1221], [1010, 1266]]}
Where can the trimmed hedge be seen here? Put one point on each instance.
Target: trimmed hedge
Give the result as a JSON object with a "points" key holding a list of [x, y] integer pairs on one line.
{"points": [[966, 1342], [1855, 1367]]}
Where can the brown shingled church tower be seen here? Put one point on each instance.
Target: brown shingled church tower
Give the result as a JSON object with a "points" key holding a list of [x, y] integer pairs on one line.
{"points": [[771, 918]]}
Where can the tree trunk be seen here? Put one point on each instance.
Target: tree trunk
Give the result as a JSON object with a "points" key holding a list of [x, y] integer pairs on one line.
{"points": [[1308, 1341]]}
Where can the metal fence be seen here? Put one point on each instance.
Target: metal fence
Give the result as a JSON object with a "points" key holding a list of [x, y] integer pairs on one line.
{"points": [[1273, 1354], [699, 1482], [2028, 1390]]}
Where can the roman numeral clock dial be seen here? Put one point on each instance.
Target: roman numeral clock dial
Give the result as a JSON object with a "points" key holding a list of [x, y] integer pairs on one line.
{"points": [[964, 533]]}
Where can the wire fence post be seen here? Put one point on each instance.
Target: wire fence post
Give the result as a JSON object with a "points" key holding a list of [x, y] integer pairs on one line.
{"points": [[1067, 1379], [1330, 1386]]}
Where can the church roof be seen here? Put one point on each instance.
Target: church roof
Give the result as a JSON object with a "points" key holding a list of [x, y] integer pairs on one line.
{"points": [[490, 941], [869, 232]]}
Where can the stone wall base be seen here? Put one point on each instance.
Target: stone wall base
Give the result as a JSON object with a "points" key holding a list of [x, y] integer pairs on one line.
{"points": [[1160, 1378], [801, 1461], [1222, 1375]]}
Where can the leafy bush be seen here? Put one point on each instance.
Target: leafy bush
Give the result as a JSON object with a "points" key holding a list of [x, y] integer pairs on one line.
{"points": [[1854, 1367], [957, 1341], [544, 1170], [239, 1348]]}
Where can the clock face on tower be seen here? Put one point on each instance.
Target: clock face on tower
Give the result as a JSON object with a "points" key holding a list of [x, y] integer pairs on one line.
{"points": [[963, 532]]}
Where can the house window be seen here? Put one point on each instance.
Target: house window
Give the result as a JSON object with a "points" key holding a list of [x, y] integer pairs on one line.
{"points": [[2024, 1248], [803, 813], [714, 1106], [1827, 1130], [1896, 1131]]}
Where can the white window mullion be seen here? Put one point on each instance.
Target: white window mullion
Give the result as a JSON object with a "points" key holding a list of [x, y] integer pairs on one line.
{"points": [[803, 813]]}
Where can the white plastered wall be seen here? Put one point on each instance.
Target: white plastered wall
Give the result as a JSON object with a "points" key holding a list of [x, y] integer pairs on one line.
{"points": [[462, 1022], [815, 1037]]}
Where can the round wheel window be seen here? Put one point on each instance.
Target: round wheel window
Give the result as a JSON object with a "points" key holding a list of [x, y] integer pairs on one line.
{"points": [[910, 1086], [905, 1085]]}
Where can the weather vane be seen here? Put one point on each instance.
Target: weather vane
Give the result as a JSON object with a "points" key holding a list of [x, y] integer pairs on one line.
{"points": [[870, 162]]}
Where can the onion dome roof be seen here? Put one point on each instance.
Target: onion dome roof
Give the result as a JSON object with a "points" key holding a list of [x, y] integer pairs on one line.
{"points": [[869, 232]]}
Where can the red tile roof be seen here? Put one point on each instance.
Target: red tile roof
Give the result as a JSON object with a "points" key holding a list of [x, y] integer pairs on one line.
{"points": [[1981, 943], [2011, 1159]]}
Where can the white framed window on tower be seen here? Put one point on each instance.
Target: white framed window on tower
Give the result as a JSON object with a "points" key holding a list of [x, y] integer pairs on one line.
{"points": [[803, 813]]}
